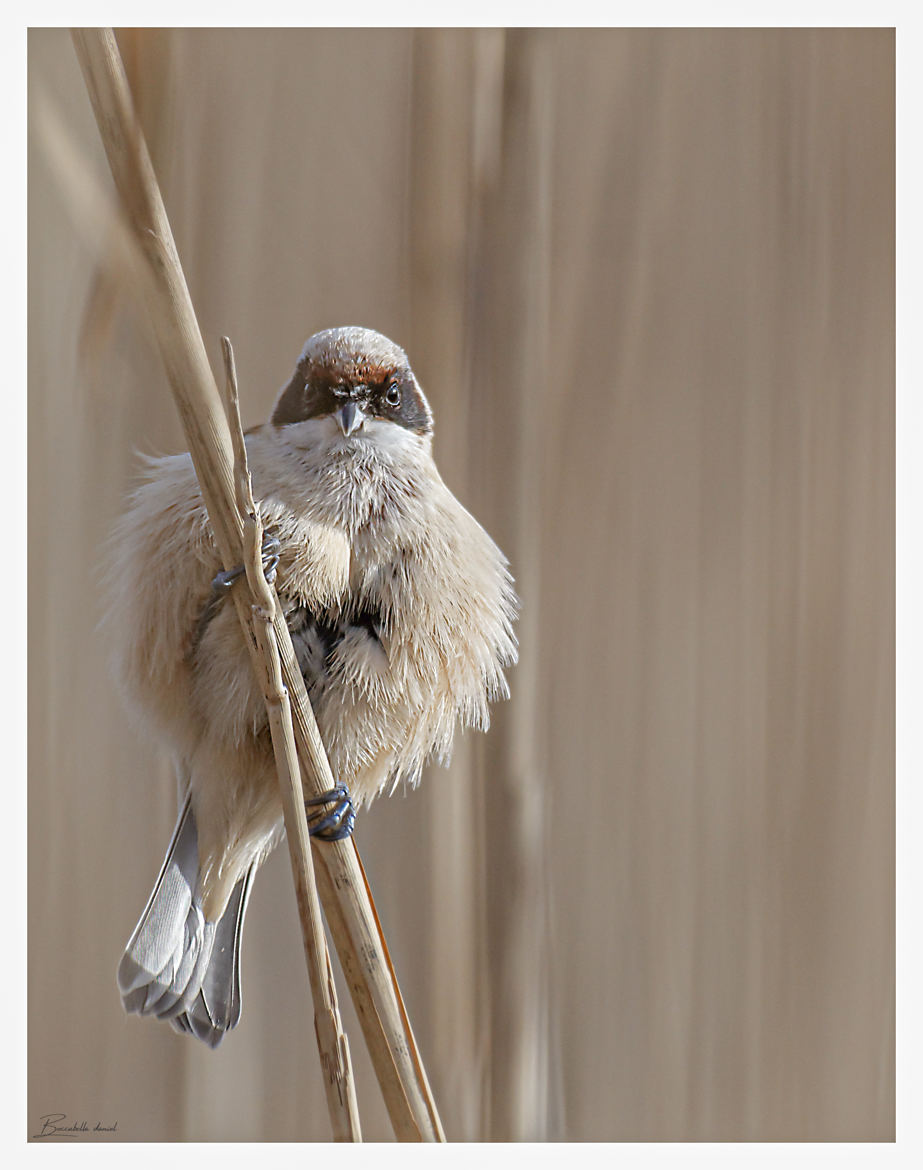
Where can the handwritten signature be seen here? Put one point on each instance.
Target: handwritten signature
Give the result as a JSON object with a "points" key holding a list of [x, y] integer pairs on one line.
{"points": [[57, 1125]]}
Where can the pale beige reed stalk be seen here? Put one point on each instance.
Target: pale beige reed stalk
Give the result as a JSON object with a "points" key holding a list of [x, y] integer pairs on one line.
{"points": [[344, 891]]}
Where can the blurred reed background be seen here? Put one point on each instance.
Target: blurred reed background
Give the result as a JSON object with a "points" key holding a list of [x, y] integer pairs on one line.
{"points": [[646, 278]]}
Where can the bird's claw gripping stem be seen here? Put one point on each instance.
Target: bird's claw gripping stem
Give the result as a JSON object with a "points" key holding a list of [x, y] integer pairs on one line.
{"points": [[271, 547], [224, 581], [338, 823]]}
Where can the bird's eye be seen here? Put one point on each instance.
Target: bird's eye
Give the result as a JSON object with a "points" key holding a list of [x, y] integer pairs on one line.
{"points": [[393, 394]]}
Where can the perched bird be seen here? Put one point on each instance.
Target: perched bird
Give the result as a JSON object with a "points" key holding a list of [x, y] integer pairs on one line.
{"points": [[400, 608]]}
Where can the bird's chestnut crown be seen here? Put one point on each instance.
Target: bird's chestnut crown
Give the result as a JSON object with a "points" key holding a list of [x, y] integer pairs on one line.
{"points": [[351, 364]]}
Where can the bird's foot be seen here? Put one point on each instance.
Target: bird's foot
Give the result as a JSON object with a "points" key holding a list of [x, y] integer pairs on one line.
{"points": [[336, 824], [223, 581], [271, 547]]}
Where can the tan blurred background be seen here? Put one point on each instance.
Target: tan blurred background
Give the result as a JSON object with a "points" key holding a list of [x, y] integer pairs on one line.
{"points": [[646, 278]]}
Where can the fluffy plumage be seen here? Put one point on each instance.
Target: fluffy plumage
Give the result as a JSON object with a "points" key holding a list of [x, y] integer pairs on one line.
{"points": [[401, 611]]}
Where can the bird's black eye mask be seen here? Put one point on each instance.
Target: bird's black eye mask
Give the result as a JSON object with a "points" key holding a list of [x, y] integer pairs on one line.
{"points": [[392, 396]]}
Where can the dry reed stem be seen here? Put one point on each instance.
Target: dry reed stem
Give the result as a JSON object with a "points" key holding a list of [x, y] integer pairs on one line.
{"points": [[344, 892], [332, 1043]]}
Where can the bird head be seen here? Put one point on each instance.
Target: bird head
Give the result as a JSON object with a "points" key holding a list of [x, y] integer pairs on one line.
{"points": [[357, 378]]}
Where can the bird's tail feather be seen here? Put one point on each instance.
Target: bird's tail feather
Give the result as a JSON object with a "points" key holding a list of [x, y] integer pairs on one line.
{"points": [[216, 1007], [178, 966]]}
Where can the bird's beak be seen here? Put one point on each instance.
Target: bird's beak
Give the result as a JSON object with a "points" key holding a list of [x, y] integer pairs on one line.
{"points": [[349, 417]]}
